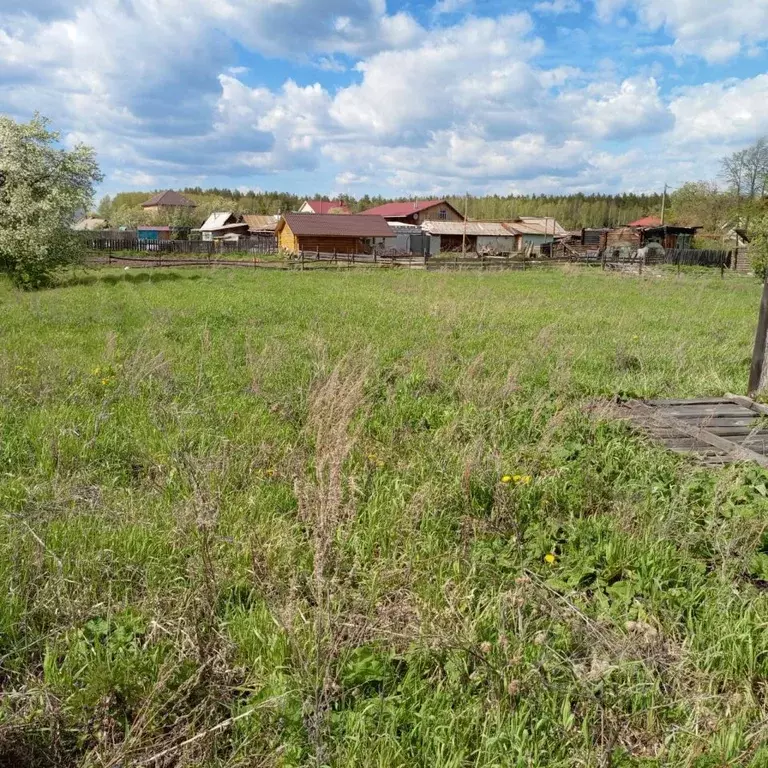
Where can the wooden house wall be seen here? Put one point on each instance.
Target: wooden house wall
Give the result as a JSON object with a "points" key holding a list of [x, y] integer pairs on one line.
{"points": [[287, 241], [328, 244], [433, 214]]}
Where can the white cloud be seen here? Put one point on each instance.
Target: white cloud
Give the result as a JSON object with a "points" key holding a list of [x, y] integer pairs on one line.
{"points": [[472, 104], [450, 6], [717, 30], [473, 71], [624, 111], [731, 112], [558, 7]]}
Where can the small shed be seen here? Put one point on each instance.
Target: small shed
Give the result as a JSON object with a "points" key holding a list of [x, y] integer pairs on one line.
{"points": [[222, 224], [330, 233], [535, 231], [670, 237], [449, 236], [408, 238], [153, 233], [260, 224]]}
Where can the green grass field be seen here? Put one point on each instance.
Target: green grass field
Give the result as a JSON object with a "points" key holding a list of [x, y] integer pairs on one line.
{"points": [[374, 518]]}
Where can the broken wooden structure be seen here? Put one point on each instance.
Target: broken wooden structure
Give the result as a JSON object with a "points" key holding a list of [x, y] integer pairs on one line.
{"points": [[719, 431]]}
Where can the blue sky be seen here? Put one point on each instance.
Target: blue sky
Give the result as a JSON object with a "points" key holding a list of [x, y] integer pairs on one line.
{"points": [[394, 97]]}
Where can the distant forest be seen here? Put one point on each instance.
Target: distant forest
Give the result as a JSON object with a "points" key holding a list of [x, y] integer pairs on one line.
{"points": [[572, 211]]}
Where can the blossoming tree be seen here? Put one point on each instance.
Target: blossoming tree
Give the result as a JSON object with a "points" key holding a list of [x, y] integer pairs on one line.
{"points": [[42, 186]]}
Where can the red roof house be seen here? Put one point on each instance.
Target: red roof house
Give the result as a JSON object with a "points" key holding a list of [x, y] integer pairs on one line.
{"points": [[324, 206], [416, 211], [647, 221]]}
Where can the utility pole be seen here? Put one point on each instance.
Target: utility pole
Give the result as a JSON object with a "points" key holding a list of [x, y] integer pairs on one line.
{"points": [[664, 204], [464, 236]]}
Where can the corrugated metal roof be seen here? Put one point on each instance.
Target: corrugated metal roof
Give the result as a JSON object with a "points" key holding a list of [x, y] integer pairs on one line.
{"points": [[473, 228], [332, 225], [216, 221], [259, 223], [170, 198], [534, 225]]}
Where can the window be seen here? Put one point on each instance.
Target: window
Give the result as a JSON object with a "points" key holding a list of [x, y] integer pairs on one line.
{"points": [[442, 215]]}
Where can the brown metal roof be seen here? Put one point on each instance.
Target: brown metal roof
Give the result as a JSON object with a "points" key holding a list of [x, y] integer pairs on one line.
{"points": [[169, 198], [332, 225]]}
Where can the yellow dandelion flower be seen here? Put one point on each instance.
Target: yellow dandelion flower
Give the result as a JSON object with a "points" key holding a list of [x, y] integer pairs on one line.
{"points": [[550, 558], [104, 382], [524, 480], [506, 479], [270, 473]]}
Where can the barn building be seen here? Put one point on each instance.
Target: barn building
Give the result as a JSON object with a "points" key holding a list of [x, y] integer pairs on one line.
{"points": [[223, 224], [330, 233], [449, 236]]}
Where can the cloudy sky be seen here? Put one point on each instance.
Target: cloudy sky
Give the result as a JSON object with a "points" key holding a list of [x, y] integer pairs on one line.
{"points": [[393, 96]]}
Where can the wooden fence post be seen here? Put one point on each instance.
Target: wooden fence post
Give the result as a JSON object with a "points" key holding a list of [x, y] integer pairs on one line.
{"points": [[756, 377], [603, 254], [722, 265], [335, 255], [317, 255]]}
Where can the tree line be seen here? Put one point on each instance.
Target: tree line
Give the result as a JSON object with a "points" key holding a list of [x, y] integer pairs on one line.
{"points": [[736, 198]]}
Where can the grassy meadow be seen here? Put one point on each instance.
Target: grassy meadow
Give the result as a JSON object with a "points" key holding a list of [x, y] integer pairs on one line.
{"points": [[374, 519]]}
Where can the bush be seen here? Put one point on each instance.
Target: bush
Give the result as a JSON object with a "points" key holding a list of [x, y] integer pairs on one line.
{"points": [[758, 248]]}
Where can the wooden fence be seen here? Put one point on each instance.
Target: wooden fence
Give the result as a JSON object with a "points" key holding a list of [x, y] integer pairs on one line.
{"points": [[260, 244], [212, 254], [302, 261]]}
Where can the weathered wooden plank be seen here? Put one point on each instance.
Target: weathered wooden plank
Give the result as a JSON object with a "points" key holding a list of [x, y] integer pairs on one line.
{"points": [[754, 431], [749, 403], [734, 421], [739, 453], [687, 445], [715, 412], [728, 400]]}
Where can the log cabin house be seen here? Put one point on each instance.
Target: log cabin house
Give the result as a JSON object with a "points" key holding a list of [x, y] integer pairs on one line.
{"points": [[331, 233]]}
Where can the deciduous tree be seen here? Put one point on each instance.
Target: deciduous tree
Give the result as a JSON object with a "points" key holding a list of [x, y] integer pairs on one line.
{"points": [[42, 187]]}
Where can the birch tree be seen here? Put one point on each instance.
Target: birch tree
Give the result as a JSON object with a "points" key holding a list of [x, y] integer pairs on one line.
{"points": [[42, 187]]}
